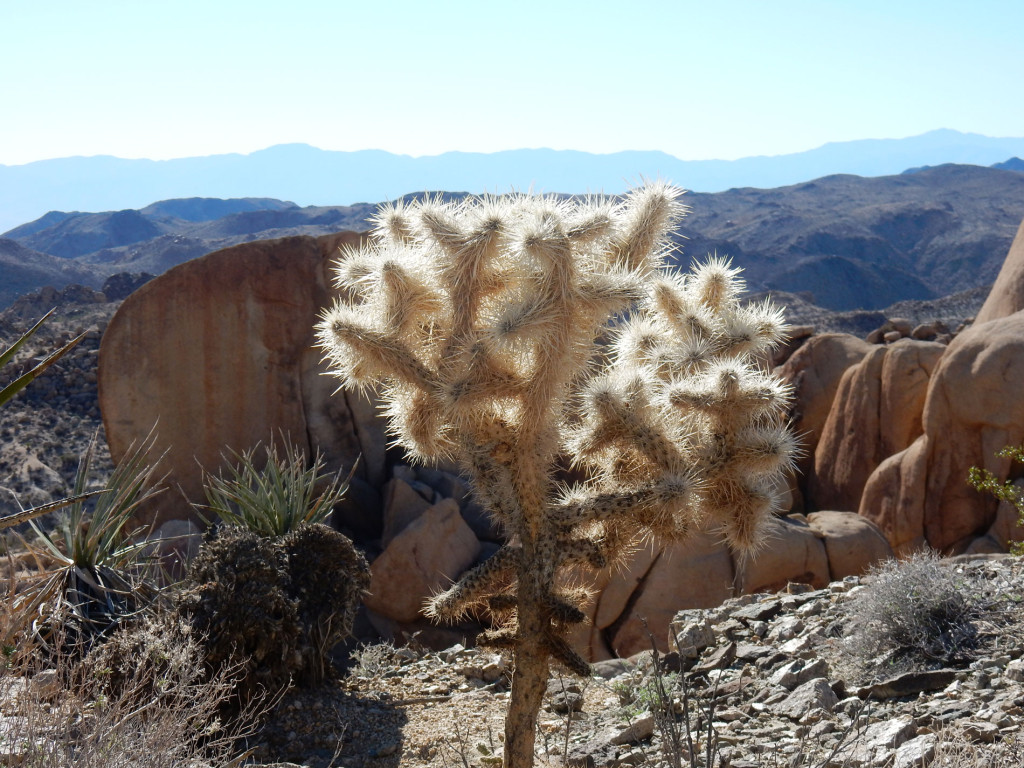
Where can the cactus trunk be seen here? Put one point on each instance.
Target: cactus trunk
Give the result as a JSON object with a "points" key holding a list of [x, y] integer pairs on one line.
{"points": [[529, 681]]}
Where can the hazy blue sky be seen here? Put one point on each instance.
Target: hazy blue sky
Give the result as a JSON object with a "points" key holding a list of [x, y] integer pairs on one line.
{"points": [[710, 79]]}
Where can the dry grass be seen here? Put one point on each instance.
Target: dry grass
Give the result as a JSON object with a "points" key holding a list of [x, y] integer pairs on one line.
{"points": [[60, 713]]}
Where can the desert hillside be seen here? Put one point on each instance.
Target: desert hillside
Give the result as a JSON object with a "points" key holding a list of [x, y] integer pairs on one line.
{"points": [[841, 242]]}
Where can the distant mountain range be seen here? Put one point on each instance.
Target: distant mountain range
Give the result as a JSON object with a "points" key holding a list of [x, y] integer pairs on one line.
{"points": [[311, 176], [842, 242]]}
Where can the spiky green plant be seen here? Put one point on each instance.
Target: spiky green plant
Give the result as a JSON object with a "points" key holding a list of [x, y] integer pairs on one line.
{"points": [[479, 324], [274, 495], [274, 590], [97, 581]]}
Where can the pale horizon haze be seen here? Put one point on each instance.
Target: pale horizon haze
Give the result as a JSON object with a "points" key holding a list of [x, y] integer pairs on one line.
{"points": [[720, 80]]}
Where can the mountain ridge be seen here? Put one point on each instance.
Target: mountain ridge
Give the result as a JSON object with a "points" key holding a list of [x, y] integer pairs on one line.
{"points": [[312, 176], [849, 242]]}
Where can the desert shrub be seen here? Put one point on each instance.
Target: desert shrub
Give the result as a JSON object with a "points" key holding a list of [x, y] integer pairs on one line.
{"points": [[272, 587], [1006, 490], [236, 598], [915, 613], [145, 659], [140, 700], [327, 578], [371, 659]]}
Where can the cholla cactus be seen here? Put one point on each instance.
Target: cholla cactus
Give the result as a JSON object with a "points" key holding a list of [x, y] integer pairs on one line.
{"points": [[485, 327]]}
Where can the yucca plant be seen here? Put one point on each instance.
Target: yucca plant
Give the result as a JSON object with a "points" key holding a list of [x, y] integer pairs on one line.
{"points": [[274, 588], [14, 387], [98, 579], [274, 496]]}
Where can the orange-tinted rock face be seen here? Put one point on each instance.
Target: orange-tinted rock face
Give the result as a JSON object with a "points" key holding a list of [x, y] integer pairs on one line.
{"points": [[876, 412], [814, 371], [973, 409], [1007, 294], [217, 353]]}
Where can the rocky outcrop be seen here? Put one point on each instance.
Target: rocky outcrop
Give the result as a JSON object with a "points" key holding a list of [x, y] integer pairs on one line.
{"points": [[424, 558], [920, 495], [876, 412], [814, 371], [1007, 294], [218, 355], [634, 603], [852, 544], [773, 671]]}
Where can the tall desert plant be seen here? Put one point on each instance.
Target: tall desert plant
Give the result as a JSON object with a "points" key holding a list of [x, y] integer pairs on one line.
{"points": [[97, 582], [480, 325]]}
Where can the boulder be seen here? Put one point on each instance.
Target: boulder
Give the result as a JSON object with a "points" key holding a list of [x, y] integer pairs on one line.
{"points": [[654, 584], [695, 574], [423, 559], [925, 332], [876, 412], [814, 372], [219, 354], [852, 543], [402, 505], [1007, 294], [792, 552], [972, 409], [796, 337], [901, 325]]}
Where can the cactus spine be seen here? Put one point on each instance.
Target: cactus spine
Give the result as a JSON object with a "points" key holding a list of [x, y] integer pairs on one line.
{"points": [[485, 327]]}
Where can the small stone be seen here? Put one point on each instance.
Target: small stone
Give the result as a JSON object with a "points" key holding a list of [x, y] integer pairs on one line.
{"points": [[799, 672], [813, 695], [980, 731], [909, 684], [641, 728], [564, 702], [915, 752], [1015, 671], [692, 637], [785, 629], [759, 611]]}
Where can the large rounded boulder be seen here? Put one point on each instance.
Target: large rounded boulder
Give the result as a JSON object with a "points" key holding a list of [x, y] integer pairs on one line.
{"points": [[217, 354]]}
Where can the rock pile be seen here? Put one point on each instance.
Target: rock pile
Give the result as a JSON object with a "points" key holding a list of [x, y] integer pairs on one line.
{"points": [[771, 673], [778, 672]]}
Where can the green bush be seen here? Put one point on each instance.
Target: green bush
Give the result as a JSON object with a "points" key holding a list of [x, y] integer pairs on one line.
{"points": [[1006, 490]]}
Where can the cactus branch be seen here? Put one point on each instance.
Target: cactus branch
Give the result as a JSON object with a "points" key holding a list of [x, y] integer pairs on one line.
{"points": [[510, 333]]}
